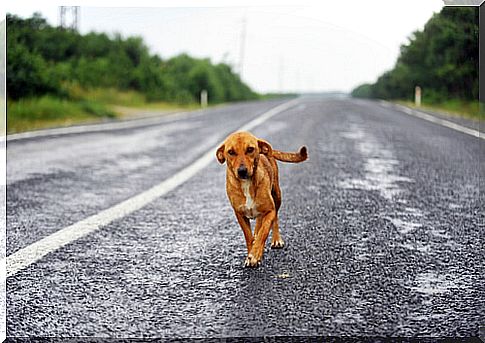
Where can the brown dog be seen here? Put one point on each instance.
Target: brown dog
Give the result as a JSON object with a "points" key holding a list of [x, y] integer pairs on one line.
{"points": [[253, 188]]}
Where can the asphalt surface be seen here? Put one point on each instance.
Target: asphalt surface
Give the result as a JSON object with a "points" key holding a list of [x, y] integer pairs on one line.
{"points": [[384, 228]]}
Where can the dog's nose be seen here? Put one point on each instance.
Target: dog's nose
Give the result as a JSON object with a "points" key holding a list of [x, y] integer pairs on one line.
{"points": [[242, 172]]}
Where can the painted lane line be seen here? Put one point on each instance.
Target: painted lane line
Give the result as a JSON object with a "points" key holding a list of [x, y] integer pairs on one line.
{"points": [[442, 122], [35, 251], [92, 128]]}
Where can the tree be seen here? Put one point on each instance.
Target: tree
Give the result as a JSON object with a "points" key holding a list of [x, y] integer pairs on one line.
{"points": [[41, 59], [442, 59]]}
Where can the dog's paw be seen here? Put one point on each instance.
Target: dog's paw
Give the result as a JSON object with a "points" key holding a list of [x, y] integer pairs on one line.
{"points": [[251, 261], [278, 244]]}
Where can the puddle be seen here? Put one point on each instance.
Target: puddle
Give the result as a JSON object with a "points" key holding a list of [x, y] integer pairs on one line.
{"points": [[418, 247], [381, 173], [432, 283], [453, 206], [413, 211], [126, 164], [347, 318], [404, 226], [379, 166], [440, 233], [276, 126], [313, 189], [425, 317]]}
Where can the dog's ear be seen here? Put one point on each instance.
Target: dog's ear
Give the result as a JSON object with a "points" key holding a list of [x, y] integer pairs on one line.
{"points": [[220, 154], [265, 148]]}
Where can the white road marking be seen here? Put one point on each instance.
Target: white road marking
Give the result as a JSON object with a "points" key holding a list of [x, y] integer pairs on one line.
{"points": [[127, 124], [439, 121], [35, 251]]}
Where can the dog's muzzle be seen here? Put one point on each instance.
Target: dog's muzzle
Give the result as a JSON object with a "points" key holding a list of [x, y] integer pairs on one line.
{"points": [[242, 172]]}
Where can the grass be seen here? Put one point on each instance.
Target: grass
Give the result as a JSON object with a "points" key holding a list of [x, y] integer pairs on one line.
{"points": [[48, 111], [453, 107], [151, 108], [108, 96], [123, 99], [272, 96], [2, 118], [83, 106]]}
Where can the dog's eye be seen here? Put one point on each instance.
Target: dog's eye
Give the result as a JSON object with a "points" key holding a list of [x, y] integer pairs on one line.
{"points": [[231, 152], [250, 150]]}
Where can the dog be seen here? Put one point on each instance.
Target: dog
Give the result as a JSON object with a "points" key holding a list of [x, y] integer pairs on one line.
{"points": [[253, 188]]}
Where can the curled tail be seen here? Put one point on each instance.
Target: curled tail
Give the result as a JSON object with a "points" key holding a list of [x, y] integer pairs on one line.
{"points": [[294, 157]]}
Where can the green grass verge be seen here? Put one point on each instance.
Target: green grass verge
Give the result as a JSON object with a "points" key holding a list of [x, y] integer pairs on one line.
{"points": [[272, 96], [107, 96], [83, 106], [122, 98], [3, 115], [457, 108], [47, 111]]}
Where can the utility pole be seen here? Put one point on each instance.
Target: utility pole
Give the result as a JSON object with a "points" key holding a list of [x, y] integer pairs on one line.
{"points": [[242, 46], [281, 73], [69, 17], [297, 82]]}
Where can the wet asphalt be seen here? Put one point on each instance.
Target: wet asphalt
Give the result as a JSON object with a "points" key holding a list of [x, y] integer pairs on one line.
{"points": [[384, 228]]}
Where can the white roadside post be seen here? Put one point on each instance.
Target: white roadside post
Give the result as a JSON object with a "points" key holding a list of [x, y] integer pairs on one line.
{"points": [[203, 98], [417, 96]]}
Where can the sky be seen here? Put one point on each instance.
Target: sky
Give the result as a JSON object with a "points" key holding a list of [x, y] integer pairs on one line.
{"points": [[284, 46]]}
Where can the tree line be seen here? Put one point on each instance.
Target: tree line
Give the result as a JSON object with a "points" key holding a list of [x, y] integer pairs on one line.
{"points": [[442, 59], [42, 59]]}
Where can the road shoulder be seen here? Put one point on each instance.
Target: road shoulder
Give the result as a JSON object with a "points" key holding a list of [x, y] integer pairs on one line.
{"points": [[466, 122], [468, 127]]}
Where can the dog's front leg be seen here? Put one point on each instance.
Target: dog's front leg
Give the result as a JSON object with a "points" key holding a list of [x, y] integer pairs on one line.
{"points": [[261, 231], [246, 227]]}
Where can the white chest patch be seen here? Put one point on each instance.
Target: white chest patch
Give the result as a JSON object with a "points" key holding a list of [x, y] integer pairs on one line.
{"points": [[249, 207]]}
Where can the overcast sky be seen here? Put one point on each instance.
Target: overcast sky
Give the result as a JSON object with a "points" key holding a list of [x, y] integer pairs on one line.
{"points": [[290, 46]]}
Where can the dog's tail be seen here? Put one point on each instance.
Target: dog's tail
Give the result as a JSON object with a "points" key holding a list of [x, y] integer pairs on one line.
{"points": [[292, 157]]}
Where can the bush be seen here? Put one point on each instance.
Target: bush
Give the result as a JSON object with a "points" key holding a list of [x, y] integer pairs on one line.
{"points": [[442, 59], [28, 74], [363, 91], [43, 59]]}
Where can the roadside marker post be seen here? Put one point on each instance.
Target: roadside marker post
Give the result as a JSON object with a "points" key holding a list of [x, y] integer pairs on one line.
{"points": [[203, 98], [417, 96]]}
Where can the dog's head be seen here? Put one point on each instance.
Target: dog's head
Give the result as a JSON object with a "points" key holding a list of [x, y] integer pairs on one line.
{"points": [[241, 151]]}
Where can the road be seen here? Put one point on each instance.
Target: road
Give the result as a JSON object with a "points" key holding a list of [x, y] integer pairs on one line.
{"points": [[384, 228]]}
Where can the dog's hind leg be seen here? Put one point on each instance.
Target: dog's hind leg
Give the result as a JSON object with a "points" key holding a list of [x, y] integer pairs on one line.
{"points": [[276, 240]]}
